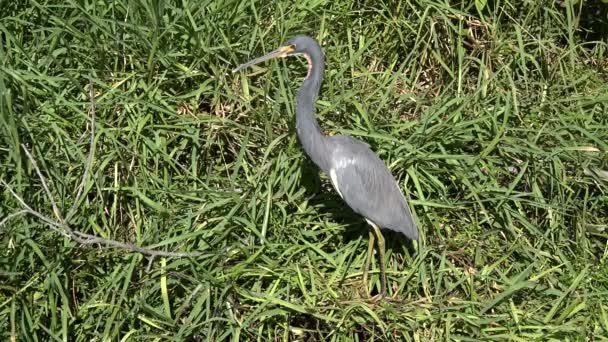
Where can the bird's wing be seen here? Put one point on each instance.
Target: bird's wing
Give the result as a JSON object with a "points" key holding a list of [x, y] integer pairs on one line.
{"points": [[368, 187]]}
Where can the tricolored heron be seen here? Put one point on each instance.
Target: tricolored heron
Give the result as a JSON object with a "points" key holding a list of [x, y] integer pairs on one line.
{"points": [[357, 174]]}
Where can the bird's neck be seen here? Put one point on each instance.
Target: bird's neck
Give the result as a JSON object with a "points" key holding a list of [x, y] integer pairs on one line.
{"points": [[312, 138]]}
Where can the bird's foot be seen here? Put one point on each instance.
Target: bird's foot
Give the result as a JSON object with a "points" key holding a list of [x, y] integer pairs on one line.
{"points": [[376, 298], [367, 296], [383, 298]]}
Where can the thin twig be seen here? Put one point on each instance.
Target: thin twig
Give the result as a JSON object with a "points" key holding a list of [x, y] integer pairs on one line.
{"points": [[17, 197], [89, 161], [83, 238], [28, 210], [11, 216], [44, 185], [150, 263], [56, 226], [60, 225], [87, 239]]}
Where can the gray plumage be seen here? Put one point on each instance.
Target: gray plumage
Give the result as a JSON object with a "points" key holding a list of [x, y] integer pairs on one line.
{"points": [[359, 176], [368, 187]]}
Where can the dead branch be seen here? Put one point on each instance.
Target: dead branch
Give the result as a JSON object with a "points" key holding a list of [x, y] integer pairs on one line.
{"points": [[60, 224]]}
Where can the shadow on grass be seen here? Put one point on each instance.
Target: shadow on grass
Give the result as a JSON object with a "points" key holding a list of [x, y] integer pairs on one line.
{"points": [[339, 212]]}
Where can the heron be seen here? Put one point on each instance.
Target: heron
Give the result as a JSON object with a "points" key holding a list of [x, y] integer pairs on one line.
{"points": [[358, 175]]}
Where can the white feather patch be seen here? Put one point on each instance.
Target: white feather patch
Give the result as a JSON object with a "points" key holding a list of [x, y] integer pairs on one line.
{"points": [[334, 181], [340, 164]]}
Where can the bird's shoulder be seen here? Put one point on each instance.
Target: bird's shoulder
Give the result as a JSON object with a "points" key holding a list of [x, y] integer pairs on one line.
{"points": [[344, 144], [347, 141], [355, 167], [348, 150]]}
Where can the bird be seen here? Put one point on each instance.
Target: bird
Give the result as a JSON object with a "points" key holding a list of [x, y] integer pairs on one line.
{"points": [[358, 175]]}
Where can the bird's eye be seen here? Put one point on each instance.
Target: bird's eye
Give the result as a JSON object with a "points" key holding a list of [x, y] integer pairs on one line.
{"points": [[292, 46]]}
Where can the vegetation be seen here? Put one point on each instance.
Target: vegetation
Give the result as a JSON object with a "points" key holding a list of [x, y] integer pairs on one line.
{"points": [[492, 116]]}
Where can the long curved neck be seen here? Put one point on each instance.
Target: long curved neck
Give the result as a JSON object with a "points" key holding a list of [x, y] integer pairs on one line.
{"points": [[312, 138]]}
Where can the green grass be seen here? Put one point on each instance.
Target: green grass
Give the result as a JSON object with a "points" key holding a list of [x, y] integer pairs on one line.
{"points": [[494, 123]]}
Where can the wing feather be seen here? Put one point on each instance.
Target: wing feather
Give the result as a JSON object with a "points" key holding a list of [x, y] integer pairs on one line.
{"points": [[369, 188]]}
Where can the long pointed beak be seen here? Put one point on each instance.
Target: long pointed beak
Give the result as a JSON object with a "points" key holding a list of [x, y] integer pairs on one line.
{"points": [[280, 52]]}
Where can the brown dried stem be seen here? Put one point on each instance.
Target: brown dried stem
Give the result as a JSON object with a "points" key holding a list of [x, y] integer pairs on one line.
{"points": [[60, 224]]}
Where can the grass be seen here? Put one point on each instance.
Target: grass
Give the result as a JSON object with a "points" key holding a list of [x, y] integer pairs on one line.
{"points": [[494, 123]]}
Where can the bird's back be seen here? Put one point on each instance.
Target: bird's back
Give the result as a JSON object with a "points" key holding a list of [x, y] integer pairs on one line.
{"points": [[367, 185]]}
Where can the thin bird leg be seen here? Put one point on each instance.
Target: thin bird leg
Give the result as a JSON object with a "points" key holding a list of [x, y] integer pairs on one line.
{"points": [[380, 239], [370, 251]]}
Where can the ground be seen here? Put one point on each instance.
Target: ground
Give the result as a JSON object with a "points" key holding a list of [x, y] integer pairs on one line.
{"points": [[491, 115]]}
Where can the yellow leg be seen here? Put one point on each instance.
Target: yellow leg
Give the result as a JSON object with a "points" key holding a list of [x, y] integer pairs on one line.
{"points": [[370, 250], [380, 239]]}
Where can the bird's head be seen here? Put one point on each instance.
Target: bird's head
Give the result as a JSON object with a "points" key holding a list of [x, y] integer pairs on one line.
{"points": [[293, 46], [299, 45]]}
